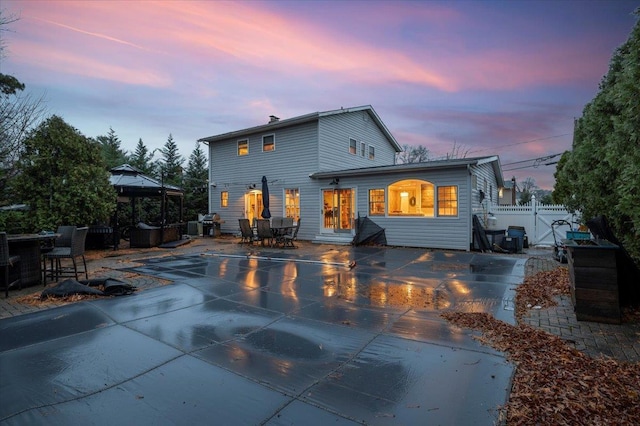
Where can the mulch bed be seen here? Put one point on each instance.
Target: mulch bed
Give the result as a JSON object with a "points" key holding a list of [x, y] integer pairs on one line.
{"points": [[555, 383]]}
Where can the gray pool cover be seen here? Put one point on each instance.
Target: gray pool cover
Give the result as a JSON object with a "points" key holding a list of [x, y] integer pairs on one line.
{"points": [[252, 340]]}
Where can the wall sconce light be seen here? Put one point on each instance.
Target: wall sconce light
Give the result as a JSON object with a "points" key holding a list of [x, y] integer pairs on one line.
{"points": [[335, 181]]}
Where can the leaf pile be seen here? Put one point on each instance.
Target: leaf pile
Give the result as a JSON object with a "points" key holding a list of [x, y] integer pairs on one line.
{"points": [[540, 290], [554, 383]]}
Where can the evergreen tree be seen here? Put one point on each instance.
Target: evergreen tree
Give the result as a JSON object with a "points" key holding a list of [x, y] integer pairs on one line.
{"points": [[601, 174], [64, 178], [171, 163], [141, 158], [112, 154], [195, 186]]}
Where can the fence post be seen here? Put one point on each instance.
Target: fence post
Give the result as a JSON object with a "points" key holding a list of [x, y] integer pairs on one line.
{"points": [[534, 218]]}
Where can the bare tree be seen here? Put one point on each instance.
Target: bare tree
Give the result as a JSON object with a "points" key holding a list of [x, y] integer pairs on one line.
{"points": [[19, 113], [412, 154], [457, 151]]}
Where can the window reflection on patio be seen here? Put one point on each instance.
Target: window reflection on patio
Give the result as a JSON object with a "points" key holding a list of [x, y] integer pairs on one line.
{"points": [[384, 294]]}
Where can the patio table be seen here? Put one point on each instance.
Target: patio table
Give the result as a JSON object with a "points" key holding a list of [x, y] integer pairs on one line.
{"points": [[27, 246]]}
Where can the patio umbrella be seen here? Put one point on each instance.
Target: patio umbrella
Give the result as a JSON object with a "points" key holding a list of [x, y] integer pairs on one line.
{"points": [[266, 214]]}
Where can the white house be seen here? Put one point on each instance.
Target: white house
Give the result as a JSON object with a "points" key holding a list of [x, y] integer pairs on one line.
{"points": [[328, 168]]}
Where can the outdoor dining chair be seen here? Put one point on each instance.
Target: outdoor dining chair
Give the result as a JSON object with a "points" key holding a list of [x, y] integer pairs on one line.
{"points": [[288, 239], [264, 231], [246, 232], [7, 262], [75, 250]]}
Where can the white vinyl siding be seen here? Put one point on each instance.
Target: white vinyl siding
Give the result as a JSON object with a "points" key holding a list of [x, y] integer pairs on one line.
{"points": [[334, 131], [449, 232]]}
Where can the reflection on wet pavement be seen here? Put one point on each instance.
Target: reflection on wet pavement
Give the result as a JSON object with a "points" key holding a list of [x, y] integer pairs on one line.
{"points": [[259, 340]]}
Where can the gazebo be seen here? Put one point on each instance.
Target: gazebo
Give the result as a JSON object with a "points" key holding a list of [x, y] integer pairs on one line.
{"points": [[131, 184]]}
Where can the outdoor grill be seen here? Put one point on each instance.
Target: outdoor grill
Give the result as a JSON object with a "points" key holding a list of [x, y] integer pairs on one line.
{"points": [[211, 225]]}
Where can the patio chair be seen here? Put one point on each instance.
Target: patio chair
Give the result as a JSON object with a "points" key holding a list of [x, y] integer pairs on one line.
{"points": [[264, 231], [7, 262], [246, 231], [288, 239], [75, 250]]}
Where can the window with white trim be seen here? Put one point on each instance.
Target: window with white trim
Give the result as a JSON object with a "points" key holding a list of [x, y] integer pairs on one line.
{"points": [[376, 202], [224, 198], [363, 149], [292, 203], [353, 146], [411, 197], [268, 143], [243, 147], [372, 153], [447, 201]]}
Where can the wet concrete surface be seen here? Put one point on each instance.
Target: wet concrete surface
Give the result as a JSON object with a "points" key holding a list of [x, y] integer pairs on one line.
{"points": [[279, 338]]}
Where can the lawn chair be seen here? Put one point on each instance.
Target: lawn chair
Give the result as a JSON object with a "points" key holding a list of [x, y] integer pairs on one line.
{"points": [[246, 232]]}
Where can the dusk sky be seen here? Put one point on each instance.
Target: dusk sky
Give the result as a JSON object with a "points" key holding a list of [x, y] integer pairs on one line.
{"points": [[500, 78]]}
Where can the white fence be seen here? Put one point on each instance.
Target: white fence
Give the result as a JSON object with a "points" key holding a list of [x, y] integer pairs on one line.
{"points": [[536, 219]]}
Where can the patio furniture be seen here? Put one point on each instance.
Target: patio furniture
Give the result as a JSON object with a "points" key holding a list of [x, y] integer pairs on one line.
{"points": [[7, 262], [147, 236], [246, 231], [75, 250], [28, 247], [288, 239], [264, 231]]}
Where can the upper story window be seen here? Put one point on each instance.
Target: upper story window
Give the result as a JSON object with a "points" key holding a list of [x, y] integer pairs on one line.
{"points": [[372, 153], [363, 149], [353, 146], [268, 143], [243, 147]]}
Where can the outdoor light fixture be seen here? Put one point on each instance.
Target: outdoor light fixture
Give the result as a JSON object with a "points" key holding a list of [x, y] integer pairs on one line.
{"points": [[335, 181]]}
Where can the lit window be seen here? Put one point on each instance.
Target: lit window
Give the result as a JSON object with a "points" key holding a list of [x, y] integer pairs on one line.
{"points": [[224, 199], [363, 149], [292, 203], [376, 201], [243, 147], [353, 146], [268, 143], [372, 153], [411, 197], [447, 201]]}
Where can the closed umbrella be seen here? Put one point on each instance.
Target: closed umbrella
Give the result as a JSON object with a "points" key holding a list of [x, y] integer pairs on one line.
{"points": [[266, 214]]}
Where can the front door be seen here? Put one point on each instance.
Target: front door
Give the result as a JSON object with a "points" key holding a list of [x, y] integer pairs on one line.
{"points": [[253, 205], [338, 209]]}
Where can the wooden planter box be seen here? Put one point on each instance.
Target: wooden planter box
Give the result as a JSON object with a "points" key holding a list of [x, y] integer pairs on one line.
{"points": [[594, 280]]}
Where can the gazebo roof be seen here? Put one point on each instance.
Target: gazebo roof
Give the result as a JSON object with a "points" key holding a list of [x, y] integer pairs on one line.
{"points": [[129, 181]]}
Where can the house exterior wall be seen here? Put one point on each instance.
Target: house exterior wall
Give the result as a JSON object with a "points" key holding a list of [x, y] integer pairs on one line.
{"points": [[335, 131], [300, 150], [321, 146], [431, 232]]}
